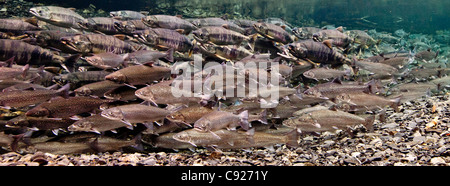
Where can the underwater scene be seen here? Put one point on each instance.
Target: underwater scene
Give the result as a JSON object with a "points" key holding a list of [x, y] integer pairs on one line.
{"points": [[206, 82]]}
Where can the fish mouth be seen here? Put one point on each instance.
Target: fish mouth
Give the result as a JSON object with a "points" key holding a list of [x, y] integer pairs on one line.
{"points": [[198, 39], [34, 12], [69, 44]]}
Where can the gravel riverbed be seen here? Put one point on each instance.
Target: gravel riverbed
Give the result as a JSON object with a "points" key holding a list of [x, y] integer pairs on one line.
{"points": [[417, 135]]}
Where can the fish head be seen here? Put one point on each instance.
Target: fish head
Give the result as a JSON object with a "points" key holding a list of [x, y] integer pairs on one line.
{"points": [[300, 33], [177, 117], [145, 93], [116, 14], [81, 126], [309, 74], [297, 50], [202, 125], [113, 113], [116, 77], [38, 112], [124, 26], [42, 12], [261, 28], [207, 48], [95, 60], [201, 35], [83, 91], [342, 98], [151, 21], [147, 37], [87, 25], [318, 36], [182, 136], [76, 44]]}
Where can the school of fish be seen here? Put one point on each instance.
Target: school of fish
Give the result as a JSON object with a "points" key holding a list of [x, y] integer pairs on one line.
{"points": [[71, 84]]}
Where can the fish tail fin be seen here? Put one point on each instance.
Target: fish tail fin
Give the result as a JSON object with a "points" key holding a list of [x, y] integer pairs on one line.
{"points": [[292, 138], [244, 120], [368, 123], [25, 70], [64, 91], [396, 103], [169, 55], [373, 86], [137, 142], [69, 62], [263, 116], [252, 41]]}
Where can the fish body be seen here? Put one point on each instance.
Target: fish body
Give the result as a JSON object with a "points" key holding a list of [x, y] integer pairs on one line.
{"points": [[97, 88], [317, 52], [8, 72], [50, 38], [97, 43], [224, 52], [305, 33], [336, 87], [126, 15], [168, 142], [162, 94], [362, 38], [135, 113], [30, 97], [130, 26], [219, 35], [95, 123], [105, 60], [221, 119], [216, 21], [58, 16], [63, 108], [273, 32], [326, 120], [397, 62], [426, 55], [325, 73], [16, 26], [139, 74], [337, 38], [168, 22], [100, 24], [146, 56], [189, 115], [164, 39], [363, 102], [83, 77], [25, 53], [380, 69], [41, 123], [205, 139]]}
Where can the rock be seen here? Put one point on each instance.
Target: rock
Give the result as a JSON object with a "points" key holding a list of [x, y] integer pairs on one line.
{"points": [[437, 161]]}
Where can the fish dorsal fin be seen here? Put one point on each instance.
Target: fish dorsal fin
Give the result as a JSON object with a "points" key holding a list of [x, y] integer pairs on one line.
{"points": [[179, 16], [340, 29], [337, 80], [181, 31], [120, 36], [328, 43], [226, 26], [283, 26]]}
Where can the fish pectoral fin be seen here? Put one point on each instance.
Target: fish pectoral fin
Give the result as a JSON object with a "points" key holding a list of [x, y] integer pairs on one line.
{"points": [[215, 135], [193, 144], [126, 122]]}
